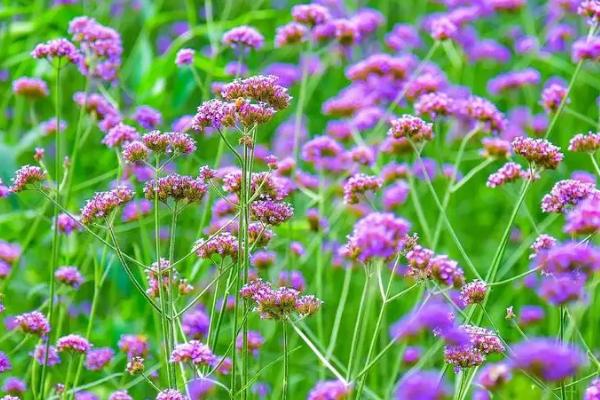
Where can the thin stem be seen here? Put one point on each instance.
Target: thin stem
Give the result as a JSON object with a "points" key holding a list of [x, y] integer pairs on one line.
{"points": [[339, 312], [55, 235], [561, 336], [171, 293], [317, 353], [449, 191], [357, 324], [471, 174], [285, 361], [444, 216], [595, 163]]}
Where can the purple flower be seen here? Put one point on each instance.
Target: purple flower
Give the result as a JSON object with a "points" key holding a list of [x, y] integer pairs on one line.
{"points": [[195, 323], [584, 218], [184, 57], [134, 345], [5, 364], [243, 37], [171, 394], [421, 385], [585, 142], [34, 322], [360, 184], [310, 14], [509, 172], [147, 117], [565, 193], [58, 48], [538, 151], [513, 80], [103, 203], [411, 127], [39, 354], [70, 276], [530, 314], [74, 343], [14, 386], [97, 359], [395, 195], [290, 34], [330, 390], [25, 176], [586, 49], [192, 351], [378, 235], [547, 358]]}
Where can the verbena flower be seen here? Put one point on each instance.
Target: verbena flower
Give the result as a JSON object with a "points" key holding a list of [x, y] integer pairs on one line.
{"points": [[14, 386], [589, 142], [39, 355], [513, 80], [509, 172], [70, 276], [495, 148], [410, 127], [223, 244], [99, 358], [33, 322], [546, 358], [32, 88], [134, 345], [73, 343], [552, 96], [119, 135], [378, 235], [175, 187], [194, 352], [120, 395], [290, 34], [473, 292], [184, 57], [25, 176], [5, 364], [271, 212], [566, 193], [584, 218], [147, 117], [57, 48], [310, 14], [360, 184], [171, 394], [538, 151], [278, 303], [330, 390], [243, 37], [421, 385], [104, 203]]}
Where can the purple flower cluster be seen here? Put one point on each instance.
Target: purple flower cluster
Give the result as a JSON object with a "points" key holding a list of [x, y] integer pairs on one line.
{"points": [[25, 176], [330, 390], [509, 172], [70, 276], [513, 80], [176, 187], [193, 351], [57, 48], [540, 152], [243, 37], [99, 358], [360, 184], [565, 193], [73, 343], [546, 359], [584, 218], [411, 127], [104, 203], [34, 322], [271, 212], [100, 46], [223, 244], [279, 303], [378, 235], [589, 143]]}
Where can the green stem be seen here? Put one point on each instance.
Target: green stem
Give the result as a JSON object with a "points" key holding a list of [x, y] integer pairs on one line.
{"points": [[449, 191], [471, 174], [171, 291], [377, 324], [595, 164], [339, 312], [444, 216], [564, 100], [55, 235], [285, 361], [357, 324]]}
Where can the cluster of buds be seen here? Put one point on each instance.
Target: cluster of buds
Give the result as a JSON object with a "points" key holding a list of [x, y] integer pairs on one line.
{"points": [[279, 303]]}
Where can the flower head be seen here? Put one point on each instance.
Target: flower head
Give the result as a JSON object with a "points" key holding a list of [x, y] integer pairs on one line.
{"points": [[547, 358], [243, 37], [74, 343], [538, 151]]}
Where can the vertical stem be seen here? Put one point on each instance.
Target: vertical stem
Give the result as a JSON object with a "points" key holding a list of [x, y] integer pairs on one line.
{"points": [[161, 295], [446, 199], [55, 235], [339, 311], [561, 335], [357, 325], [285, 361], [171, 291], [595, 164], [374, 336]]}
